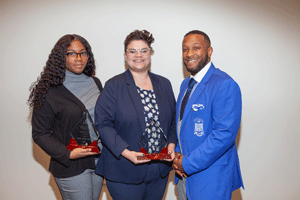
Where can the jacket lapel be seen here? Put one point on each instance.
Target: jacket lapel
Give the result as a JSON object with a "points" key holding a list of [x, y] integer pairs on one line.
{"points": [[136, 99], [66, 93], [180, 96], [159, 99], [197, 92]]}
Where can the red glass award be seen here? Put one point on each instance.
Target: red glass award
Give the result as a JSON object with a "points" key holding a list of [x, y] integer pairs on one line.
{"points": [[154, 143], [81, 137]]}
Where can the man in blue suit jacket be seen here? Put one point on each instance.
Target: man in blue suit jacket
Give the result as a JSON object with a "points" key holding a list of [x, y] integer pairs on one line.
{"points": [[208, 119]]}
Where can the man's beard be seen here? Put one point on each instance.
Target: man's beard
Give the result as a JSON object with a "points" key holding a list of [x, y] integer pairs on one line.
{"points": [[200, 65]]}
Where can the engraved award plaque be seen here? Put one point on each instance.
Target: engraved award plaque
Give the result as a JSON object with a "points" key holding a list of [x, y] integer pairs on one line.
{"points": [[154, 143], [80, 134]]}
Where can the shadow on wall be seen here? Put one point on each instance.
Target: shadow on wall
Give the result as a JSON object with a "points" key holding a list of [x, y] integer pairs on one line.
{"points": [[171, 181], [185, 72], [44, 160], [237, 195]]}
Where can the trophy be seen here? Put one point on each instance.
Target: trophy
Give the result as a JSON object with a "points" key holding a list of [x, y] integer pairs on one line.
{"points": [[153, 143], [81, 137]]}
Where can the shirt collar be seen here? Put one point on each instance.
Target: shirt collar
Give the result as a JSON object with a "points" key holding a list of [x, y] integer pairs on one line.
{"points": [[199, 76]]}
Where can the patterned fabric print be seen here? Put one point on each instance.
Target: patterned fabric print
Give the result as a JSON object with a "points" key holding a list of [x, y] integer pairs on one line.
{"points": [[151, 112]]}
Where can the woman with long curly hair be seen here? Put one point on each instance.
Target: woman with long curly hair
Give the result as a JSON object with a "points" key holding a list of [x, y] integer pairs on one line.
{"points": [[66, 92], [130, 102]]}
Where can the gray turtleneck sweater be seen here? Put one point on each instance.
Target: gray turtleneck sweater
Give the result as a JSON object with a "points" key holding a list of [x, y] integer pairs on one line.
{"points": [[86, 90]]}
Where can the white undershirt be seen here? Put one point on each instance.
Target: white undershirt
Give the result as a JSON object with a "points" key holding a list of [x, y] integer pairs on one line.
{"points": [[200, 75]]}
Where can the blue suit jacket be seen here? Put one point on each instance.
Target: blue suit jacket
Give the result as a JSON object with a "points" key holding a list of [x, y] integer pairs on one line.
{"points": [[207, 136], [120, 120]]}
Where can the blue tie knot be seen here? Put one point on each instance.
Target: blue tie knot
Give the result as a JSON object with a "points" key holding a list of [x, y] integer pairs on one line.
{"points": [[191, 83]]}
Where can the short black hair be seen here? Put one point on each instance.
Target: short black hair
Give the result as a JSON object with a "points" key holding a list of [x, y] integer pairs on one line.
{"points": [[206, 38]]}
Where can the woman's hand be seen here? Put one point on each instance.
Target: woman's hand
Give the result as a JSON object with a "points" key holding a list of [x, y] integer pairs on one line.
{"points": [[80, 152], [171, 152], [132, 156]]}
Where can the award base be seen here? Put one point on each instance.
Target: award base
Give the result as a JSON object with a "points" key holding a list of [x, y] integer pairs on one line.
{"points": [[73, 145], [155, 156]]}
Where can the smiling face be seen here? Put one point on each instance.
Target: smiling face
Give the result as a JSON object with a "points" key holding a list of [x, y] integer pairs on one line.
{"points": [[137, 62], [195, 53], [78, 63]]}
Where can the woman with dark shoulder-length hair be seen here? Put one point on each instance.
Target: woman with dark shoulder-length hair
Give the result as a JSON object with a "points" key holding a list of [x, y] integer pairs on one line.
{"points": [[66, 91], [129, 103]]}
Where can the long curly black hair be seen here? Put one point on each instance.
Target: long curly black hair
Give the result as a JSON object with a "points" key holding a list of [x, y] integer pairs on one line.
{"points": [[53, 74]]}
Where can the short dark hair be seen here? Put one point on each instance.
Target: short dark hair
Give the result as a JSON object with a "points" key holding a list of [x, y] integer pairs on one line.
{"points": [[206, 38], [139, 35]]}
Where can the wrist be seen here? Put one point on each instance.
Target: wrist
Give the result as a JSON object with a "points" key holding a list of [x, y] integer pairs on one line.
{"points": [[171, 146], [125, 153]]}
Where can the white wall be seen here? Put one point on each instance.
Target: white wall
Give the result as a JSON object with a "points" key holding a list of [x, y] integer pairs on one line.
{"points": [[256, 42]]}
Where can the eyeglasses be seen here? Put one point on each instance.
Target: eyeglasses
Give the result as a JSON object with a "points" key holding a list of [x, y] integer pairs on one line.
{"points": [[74, 55], [143, 52]]}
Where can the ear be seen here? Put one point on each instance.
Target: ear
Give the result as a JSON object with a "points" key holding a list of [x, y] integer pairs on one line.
{"points": [[152, 52], [209, 51]]}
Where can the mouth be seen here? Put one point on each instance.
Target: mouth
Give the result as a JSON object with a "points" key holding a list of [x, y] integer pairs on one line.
{"points": [[138, 61], [190, 61]]}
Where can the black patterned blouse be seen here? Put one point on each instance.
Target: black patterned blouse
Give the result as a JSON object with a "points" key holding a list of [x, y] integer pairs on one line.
{"points": [[151, 112]]}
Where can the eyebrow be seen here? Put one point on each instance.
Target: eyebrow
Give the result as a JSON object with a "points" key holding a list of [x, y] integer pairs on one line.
{"points": [[140, 48], [75, 51], [193, 44]]}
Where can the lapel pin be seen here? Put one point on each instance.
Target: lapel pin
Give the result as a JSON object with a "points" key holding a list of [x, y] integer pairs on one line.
{"points": [[197, 107]]}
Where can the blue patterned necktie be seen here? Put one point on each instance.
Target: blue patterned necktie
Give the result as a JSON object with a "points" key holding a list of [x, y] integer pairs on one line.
{"points": [[186, 96]]}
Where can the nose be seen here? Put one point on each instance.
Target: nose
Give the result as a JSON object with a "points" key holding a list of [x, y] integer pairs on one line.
{"points": [[138, 53], [189, 53], [78, 57]]}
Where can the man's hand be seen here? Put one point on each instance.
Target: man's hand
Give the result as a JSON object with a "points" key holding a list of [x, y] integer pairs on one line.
{"points": [[177, 165]]}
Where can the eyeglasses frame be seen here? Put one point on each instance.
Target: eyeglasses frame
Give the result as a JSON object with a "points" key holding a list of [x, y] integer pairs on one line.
{"points": [[139, 50], [81, 53]]}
